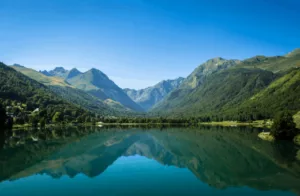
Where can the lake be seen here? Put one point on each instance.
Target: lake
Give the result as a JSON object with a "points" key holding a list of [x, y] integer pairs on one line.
{"points": [[147, 161]]}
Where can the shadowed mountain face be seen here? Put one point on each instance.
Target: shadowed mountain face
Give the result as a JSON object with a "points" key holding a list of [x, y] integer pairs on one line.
{"points": [[98, 84], [150, 96], [220, 157]]}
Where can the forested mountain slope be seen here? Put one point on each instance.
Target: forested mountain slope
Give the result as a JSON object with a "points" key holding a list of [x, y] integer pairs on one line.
{"points": [[65, 90], [27, 95], [225, 89], [255, 88]]}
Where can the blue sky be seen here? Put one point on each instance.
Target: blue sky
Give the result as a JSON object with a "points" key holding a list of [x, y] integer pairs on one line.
{"points": [[138, 43]]}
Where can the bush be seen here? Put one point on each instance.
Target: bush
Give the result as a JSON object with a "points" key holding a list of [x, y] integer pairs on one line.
{"points": [[283, 126]]}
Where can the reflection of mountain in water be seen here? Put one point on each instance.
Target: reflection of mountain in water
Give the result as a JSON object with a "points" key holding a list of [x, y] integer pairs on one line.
{"points": [[219, 157]]}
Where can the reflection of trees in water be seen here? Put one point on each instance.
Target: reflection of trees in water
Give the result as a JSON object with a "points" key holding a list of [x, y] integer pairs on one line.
{"points": [[284, 152], [24, 148], [219, 156], [2, 138]]}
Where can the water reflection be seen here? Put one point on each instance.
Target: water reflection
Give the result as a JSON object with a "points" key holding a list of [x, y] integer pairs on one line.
{"points": [[219, 157]]}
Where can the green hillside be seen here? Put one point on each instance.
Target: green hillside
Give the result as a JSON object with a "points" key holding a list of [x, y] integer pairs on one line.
{"points": [[237, 94], [30, 101], [209, 67], [282, 94], [47, 80], [219, 91], [63, 89], [97, 84], [274, 64]]}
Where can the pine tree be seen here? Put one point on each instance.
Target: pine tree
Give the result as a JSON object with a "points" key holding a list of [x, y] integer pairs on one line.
{"points": [[283, 126]]}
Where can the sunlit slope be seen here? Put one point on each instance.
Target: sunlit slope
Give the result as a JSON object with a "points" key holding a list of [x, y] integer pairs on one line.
{"points": [[256, 88], [220, 91], [281, 94], [47, 80], [99, 85], [63, 89], [275, 63], [15, 86]]}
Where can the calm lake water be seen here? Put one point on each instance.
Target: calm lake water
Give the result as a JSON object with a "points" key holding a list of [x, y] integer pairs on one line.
{"points": [[138, 161]]}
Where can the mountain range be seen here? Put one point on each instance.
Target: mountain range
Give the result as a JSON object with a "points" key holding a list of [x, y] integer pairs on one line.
{"points": [[95, 83], [218, 89], [71, 83], [150, 96], [255, 88]]}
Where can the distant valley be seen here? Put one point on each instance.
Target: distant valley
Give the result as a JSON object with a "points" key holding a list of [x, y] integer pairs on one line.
{"points": [[148, 97]]}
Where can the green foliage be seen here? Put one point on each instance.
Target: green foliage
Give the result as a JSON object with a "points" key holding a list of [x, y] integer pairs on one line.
{"points": [[283, 126], [252, 89], [42, 122], [297, 119], [218, 90], [274, 64], [218, 93], [283, 93], [89, 102], [208, 68], [34, 120], [30, 101], [55, 81], [236, 94], [58, 117]]}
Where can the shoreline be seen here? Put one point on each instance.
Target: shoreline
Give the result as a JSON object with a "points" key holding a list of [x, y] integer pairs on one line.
{"points": [[258, 124]]}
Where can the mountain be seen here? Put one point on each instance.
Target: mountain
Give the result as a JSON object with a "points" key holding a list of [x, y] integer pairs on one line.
{"points": [[27, 96], [42, 78], [90, 102], [206, 69], [192, 82], [79, 97], [255, 88], [274, 64], [57, 71], [72, 73], [99, 85], [282, 94], [150, 96], [294, 53], [221, 90]]}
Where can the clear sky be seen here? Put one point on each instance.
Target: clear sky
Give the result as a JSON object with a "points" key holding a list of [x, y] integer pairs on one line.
{"points": [[138, 43]]}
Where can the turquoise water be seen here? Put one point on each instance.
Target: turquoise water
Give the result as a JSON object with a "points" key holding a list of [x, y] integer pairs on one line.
{"points": [[152, 162]]}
